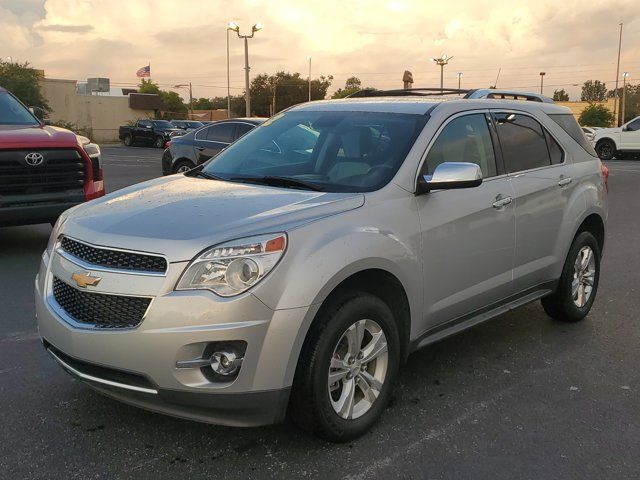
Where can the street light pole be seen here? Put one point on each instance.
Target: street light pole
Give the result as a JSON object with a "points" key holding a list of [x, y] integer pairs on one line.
{"points": [[615, 92], [542, 74], [625, 75], [442, 61], [459, 80], [247, 94], [233, 27], [309, 78]]}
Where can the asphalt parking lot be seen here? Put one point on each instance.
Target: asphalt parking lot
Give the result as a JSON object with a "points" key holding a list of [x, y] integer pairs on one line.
{"points": [[521, 397]]}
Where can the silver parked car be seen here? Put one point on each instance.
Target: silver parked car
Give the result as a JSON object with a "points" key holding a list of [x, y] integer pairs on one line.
{"points": [[299, 278]]}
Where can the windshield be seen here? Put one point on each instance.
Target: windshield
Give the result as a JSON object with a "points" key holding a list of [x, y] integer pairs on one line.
{"points": [[333, 151], [162, 124], [12, 112]]}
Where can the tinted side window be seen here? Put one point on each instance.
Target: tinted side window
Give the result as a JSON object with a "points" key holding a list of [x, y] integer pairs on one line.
{"points": [[523, 142], [243, 128], [464, 139], [144, 123], [569, 125], [633, 126], [221, 133], [555, 151]]}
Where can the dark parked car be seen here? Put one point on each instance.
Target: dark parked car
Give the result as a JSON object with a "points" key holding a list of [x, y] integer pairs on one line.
{"points": [[187, 125], [196, 147], [148, 132]]}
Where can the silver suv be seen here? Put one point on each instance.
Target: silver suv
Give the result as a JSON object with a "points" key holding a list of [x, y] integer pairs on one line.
{"points": [[297, 270]]}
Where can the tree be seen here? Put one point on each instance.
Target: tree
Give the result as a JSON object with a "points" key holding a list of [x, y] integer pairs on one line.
{"points": [[172, 103], [351, 86], [560, 95], [24, 82], [632, 104], [596, 116], [594, 91], [203, 104], [284, 90], [147, 86]]}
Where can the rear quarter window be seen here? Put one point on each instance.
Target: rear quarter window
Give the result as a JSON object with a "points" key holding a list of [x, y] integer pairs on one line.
{"points": [[568, 123]]}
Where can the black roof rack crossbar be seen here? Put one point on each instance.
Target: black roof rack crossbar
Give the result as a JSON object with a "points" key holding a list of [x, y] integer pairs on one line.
{"points": [[422, 92]]}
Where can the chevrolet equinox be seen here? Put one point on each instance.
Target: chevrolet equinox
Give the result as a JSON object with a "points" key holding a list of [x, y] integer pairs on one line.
{"points": [[297, 270]]}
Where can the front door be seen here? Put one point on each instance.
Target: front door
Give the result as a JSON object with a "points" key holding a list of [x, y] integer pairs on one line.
{"points": [[468, 235], [630, 136]]}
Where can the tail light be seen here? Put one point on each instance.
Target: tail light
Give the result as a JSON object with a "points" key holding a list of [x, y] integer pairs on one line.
{"points": [[605, 175], [168, 144]]}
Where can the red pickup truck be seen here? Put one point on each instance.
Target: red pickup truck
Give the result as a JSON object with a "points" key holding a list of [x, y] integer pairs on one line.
{"points": [[44, 170]]}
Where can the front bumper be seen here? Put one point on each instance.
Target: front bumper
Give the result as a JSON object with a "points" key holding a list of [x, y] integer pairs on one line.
{"points": [[178, 326], [37, 208]]}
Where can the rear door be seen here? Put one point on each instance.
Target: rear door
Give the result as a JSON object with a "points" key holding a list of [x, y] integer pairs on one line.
{"points": [[212, 140], [468, 235], [536, 165]]}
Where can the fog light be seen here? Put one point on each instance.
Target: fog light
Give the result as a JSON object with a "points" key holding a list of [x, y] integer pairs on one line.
{"points": [[225, 363]]}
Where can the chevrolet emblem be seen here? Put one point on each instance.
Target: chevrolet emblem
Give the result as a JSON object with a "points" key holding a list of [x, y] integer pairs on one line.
{"points": [[84, 279]]}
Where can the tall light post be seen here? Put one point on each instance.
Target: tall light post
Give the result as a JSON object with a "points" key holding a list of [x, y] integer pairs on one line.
{"points": [[247, 95], [459, 80], [542, 74], [309, 78], [442, 61], [233, 27], [615, 92], [184, 85], [625, 75]]}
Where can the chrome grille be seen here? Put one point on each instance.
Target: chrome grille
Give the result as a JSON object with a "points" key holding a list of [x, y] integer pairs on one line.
{"points": [[100, 310], [115, 259]]}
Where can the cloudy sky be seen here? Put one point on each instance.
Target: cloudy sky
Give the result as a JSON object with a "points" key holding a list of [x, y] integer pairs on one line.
{"points": [[376, 40]]}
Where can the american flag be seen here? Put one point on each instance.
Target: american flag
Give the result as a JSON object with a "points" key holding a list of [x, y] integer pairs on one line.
{"points": [[144, 71]]}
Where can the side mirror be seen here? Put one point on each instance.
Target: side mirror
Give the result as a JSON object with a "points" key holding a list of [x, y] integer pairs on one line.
{"points": [[449, 175], [624, 128]]}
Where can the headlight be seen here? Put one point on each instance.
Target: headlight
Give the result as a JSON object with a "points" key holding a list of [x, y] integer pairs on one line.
{"points": [[53, 238], [234, 267], [92, 149]]}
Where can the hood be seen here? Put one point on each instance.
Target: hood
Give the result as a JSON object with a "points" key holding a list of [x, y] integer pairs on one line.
{"points": [[180, 216], [36, 137]]}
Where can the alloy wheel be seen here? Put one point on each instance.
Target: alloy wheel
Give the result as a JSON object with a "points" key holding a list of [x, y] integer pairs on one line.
{"points": [[358, 369], [584, 274]]}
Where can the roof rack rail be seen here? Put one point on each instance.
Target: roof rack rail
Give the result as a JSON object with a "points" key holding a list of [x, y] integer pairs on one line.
{"points": [[507, 95], [422, 92]]}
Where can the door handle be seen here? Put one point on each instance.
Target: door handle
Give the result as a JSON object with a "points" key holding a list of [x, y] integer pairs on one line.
{"points": [[502, 202], [200, 149], [563, 182]]}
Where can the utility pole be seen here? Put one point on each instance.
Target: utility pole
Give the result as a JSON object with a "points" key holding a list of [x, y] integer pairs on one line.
{"points": [[459, 80], [615, 92], [625, 75], [247, 93], [191, 100], [309, 78], [442, 61], [542, 74]]}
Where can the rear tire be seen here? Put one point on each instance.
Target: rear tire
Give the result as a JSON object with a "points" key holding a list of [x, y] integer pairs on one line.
{"points": [[578, 284], [341, 386], [127, 140], [606, 149], [183, 166], [159, 142]]}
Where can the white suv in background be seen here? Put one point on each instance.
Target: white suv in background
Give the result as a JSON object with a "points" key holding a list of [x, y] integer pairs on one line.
{"points": [[610, 142]]}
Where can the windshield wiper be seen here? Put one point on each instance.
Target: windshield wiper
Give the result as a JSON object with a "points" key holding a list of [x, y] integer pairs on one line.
{"points": [[275, 181], [199, 172]]}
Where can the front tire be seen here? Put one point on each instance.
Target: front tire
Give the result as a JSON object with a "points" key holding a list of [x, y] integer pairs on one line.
{"points": [[127, 140], [347, 368], [578, 284], [606, 149]]}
